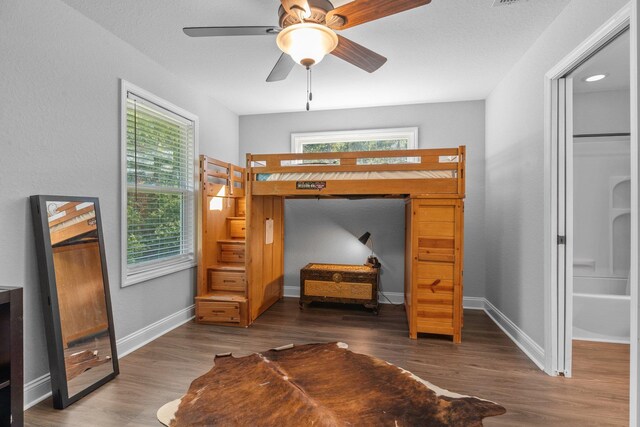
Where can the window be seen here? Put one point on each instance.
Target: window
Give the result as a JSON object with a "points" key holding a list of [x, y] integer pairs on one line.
{"points": [[360, 140], [159, 142]]}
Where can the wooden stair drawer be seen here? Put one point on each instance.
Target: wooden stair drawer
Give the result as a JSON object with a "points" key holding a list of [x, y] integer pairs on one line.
{"points": [[226, 281], [218, 311], [231, 252], [237, 228]]}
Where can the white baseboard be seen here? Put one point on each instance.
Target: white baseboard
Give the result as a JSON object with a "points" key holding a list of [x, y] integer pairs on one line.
{"points": [[517, 335], [37, 390], [473, 303], [292, 291], [141, 337]]}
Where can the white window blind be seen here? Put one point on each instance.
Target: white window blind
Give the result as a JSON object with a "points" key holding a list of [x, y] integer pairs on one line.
{"points": [[160, 187]]}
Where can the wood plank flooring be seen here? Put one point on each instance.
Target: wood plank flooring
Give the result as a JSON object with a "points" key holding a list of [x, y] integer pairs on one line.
{"points": [[487, 364]]}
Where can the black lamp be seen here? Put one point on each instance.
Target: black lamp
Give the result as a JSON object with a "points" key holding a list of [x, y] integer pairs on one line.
{"points": [[371, 260]]}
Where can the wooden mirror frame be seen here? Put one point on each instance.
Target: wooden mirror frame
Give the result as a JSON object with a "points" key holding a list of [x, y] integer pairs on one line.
{"points": [[51, 307]]}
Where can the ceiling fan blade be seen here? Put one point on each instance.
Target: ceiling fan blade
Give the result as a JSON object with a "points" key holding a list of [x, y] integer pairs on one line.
{"points": [[282, 68], [230, 31], [297, 8], [360, 11], [358, 55]]}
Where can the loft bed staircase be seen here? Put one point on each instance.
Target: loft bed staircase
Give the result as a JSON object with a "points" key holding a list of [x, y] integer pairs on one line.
{"points": [[222, 296]]}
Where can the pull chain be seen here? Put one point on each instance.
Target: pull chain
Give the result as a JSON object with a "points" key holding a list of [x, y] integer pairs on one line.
{"points": [[309, 93]]}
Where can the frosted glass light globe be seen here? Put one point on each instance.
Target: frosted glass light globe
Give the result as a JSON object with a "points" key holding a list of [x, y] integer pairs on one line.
{"points": [[307, 43]]}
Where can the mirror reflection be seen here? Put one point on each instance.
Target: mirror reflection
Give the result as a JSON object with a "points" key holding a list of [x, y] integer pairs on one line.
{"points": [[88, 356]]}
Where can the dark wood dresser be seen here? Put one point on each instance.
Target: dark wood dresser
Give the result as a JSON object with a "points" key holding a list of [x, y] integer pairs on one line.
{"points": [[340, 283], [11, 362]]}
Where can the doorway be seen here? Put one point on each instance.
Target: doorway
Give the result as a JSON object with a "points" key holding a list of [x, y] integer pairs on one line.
{"points": [[587, 142], [598, 222]]}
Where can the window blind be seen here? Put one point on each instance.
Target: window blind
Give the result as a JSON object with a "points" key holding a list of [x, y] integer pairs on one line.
{"points": [[160, 186]]}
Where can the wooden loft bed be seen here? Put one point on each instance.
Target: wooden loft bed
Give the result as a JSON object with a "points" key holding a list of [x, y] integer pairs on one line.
{"points": [[432, 181], [366, 173]]}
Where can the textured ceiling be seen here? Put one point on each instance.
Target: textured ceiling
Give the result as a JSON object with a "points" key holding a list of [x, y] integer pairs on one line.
{"points": [[449, 50]]}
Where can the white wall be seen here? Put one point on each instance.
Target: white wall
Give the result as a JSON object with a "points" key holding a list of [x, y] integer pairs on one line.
{"points": [[596, 162], [601, 112], [326, 230], [59, 117], [515, 168]]}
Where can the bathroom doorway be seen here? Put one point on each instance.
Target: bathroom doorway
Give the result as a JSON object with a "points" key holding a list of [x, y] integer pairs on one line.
{"points": [[599, 189]]}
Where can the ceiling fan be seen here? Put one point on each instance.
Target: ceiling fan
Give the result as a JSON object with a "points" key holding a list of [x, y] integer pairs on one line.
{"points": [[307, 32]]}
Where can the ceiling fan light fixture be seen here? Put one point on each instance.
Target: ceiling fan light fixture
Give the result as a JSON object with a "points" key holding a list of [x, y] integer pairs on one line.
{"points": [[307, 43]]}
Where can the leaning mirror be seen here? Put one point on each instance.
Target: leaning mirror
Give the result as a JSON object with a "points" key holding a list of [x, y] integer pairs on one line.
{"points": [[75, 295]]}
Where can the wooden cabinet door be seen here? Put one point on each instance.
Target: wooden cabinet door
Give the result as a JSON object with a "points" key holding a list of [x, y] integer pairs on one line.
{"points": [[437, 234]]}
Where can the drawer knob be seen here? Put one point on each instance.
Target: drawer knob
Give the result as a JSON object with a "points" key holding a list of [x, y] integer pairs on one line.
{"points": [[337, 277]]}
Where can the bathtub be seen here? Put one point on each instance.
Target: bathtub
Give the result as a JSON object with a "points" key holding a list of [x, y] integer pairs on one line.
{"points": [[601, 307]]}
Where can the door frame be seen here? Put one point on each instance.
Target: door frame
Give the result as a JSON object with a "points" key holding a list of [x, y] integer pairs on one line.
{"points": [[556, 362]]}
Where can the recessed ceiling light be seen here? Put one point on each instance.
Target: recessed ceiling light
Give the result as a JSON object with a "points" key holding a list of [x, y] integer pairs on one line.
{"points": [[595, 78]]}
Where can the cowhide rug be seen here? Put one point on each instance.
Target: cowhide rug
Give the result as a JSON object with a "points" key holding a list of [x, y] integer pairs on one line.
{"points": [[319, 385]]}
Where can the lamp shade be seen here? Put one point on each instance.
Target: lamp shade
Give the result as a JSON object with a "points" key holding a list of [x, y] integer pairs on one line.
{"points": [[364, 238], [307, 43]]}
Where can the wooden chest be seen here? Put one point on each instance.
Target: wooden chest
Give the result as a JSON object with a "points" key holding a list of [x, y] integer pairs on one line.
{"points": [[341, 283]]}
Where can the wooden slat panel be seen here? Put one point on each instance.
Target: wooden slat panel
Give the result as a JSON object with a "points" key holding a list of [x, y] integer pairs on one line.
{"points": [[255, 244], [445, 255], [435, 152], [436, 229], [409, 270], [267, 253], [435, 311], [436, 299], [278, 244], [439, 285], [431, 327], [436, 213], [433, 243], [360, 187], [435, 270], [344, 166], [241, 206]]}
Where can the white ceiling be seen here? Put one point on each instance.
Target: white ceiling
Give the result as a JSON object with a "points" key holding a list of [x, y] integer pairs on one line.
{"points": [[448, 50], [613, 61]]}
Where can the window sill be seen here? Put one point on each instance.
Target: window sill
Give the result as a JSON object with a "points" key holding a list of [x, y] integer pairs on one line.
{"points": [[156, 271]]}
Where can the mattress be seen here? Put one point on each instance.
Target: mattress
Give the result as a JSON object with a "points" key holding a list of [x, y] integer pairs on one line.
{"points": [[338, 176]]}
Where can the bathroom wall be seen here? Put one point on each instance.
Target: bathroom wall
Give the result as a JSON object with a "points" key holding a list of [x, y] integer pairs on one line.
{"points": [[601, 185]]}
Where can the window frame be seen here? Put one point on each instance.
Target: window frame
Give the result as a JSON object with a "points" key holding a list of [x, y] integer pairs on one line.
{"points": [[298, 140], [168, 266]]}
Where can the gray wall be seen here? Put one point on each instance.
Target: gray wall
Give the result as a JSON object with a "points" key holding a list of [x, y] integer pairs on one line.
{"points": [[59, 117], [515, 168], [326, 230]]}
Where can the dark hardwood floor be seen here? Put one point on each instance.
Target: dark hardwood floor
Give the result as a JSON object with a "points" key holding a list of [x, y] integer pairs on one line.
{"points": [[487, 364]]}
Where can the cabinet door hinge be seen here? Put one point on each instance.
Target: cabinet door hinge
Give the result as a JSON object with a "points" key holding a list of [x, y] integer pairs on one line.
{"points": [[562, 240]]}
